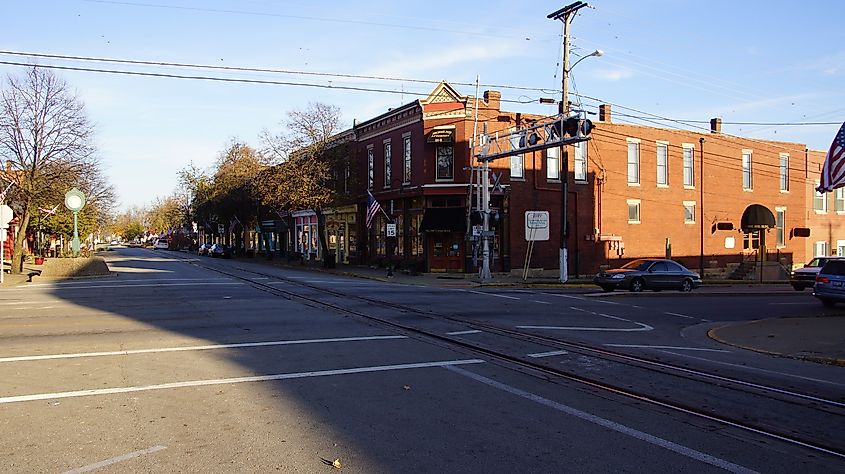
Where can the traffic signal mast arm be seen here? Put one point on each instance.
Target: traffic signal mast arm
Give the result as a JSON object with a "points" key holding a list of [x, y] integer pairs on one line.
{"points": [[538, 136]]}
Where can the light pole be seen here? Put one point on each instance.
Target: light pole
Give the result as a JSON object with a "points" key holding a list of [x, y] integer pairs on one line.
{"points": [[565, 15], [75, 201]]}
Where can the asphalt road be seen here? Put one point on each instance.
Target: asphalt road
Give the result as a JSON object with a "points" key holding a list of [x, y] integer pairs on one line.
{"points": [[183, 365]]}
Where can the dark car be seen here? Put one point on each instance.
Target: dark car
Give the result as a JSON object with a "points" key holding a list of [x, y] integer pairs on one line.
{"points": [[220, 250], [805, 277], [830, 282], [649, 273], [203, 249]]}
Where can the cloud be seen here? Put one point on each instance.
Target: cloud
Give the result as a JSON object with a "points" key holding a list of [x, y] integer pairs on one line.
{"points": [[613, 74]]}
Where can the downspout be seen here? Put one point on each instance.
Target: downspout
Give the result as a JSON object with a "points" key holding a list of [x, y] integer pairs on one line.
{"points": [[701, 203]]}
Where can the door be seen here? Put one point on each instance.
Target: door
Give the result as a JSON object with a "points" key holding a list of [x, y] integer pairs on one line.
{"points": [[445, 252]]}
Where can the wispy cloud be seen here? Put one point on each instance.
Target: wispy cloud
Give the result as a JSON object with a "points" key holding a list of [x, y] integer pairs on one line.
{"points": [[612, 74], [830, 65]]}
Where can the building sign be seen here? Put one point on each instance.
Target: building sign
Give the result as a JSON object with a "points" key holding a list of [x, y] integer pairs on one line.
{"points": [[442, 136], [536, 225]]}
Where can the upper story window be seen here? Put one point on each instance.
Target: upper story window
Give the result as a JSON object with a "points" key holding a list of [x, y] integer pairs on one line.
{"points": [[580, 162], [839, 199], [553, 163], [633, 161], [747, 183], [517, 161], [406, 169], [784, 172], [370, 167], [445, 162], [387, 153], [662, 164], [689, 165], [819, 201], [689, 212]]}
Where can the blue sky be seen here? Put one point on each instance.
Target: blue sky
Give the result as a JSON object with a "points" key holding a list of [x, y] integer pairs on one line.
{"points": [[768, 62]]}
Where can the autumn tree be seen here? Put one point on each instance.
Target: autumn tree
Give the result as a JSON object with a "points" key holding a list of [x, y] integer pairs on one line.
{"points": [[314, 164], [46, 141]]}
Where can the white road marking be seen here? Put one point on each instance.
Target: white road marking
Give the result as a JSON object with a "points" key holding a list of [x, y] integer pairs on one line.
{"points": [[197, 348], [540, 302], [461, 333], [566, 296], [641, 326], [137, 280], [679, 315], [612, 425], [233, 380], [799, 302], [159, 285], [115, 460], [10, 303], [492, 294], [538, 355], [643, 346]]}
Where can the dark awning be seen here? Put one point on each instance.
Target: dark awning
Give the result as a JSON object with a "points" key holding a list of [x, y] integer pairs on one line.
{"points": [[444, 219], [757, 217]]}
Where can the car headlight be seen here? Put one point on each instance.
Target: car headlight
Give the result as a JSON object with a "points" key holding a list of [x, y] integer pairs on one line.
{"points": [[617, 276]]}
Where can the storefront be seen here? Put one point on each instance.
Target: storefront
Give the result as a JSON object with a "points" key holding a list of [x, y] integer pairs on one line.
{"points": [[304, 237], [445, 230], [341, 233]]}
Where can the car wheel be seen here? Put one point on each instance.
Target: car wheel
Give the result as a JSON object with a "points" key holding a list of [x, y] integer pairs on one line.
{"points": [[798, 287], [828, 303], [607, 289], [637, 285], [686, 285]]}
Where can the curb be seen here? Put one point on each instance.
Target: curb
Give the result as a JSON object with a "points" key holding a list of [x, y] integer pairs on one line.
{"points": [[712, 334]]}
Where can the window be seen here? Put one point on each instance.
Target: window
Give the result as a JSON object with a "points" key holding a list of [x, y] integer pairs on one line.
{"points": [[839, 199], [445, 162], [689, 165], [387, 164], [553, 163], [746, 170], [689, 212], [580, 159], [840, 247], [633, 211], [370, 166], [662, 164], [819, 201], [751, 240], [780, 224], [784, 172], [406, 174], [633, 162], [820, 249]]}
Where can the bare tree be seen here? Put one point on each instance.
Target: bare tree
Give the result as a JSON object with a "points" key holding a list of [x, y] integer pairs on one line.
{"points": [[45, 138]]}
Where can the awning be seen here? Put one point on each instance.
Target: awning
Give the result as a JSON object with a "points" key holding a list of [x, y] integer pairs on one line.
{"points": [[444, 219], [757, 217]]}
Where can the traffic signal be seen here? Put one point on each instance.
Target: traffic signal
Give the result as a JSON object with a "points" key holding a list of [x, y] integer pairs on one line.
{"points": [[574, 127]]}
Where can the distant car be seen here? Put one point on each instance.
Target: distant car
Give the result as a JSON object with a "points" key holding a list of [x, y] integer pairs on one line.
{"points": [[829, 287], [220, 250], [114, 242], [161, 244], [649, 273], [203, 249], [805, 277]]}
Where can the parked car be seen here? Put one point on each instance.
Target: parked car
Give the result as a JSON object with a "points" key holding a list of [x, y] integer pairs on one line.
{"points": [[161, 244], [829, 287], [220, 250], [649, 273], [203, 249], [806, 277]]}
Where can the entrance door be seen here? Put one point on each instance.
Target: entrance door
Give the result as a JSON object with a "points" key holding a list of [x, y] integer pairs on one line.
{"points": [[445, 252]]}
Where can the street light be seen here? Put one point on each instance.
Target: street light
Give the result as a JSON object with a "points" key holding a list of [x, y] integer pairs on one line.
{"points": [[75, 201], [595, 53]]}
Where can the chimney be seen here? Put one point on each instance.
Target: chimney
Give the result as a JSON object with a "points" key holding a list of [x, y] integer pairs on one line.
{"points": [[604, 113], [715, 125], [493, 99]]}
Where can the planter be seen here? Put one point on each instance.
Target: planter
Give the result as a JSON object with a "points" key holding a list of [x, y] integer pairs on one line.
{"points": [[39, 260]]}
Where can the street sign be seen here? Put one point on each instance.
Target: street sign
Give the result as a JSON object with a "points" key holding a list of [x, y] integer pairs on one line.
{"points": [[6, 215], [391, 230], [220, 229], [536, 225]]}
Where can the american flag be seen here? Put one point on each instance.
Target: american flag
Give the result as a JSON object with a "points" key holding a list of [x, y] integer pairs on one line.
{"points": [[48, 211], [833, 172], [372, 208]]}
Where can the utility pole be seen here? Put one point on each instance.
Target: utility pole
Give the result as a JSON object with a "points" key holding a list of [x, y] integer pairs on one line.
{"points": [[565, 15]]}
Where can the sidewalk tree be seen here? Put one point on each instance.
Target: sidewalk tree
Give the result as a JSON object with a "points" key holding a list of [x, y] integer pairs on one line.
{"points": [[45, 140], [314, 164]]}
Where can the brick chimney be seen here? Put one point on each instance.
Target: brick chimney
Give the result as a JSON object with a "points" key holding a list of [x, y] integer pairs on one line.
{"points": [[604, 113], [716, 125], [493, 99]]}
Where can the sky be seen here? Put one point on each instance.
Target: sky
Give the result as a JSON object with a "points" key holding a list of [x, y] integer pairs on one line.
{"points": [[768, 69]]}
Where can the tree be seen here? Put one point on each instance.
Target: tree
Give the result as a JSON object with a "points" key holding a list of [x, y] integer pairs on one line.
{"points": [[314, 162], [45, 138]]}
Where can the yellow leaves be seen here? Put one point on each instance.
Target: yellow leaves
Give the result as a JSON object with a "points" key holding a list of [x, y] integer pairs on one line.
{"points": [[336, 464]]}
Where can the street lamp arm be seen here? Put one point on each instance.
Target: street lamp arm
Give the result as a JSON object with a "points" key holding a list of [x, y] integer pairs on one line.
{"points": [[595, 53]]}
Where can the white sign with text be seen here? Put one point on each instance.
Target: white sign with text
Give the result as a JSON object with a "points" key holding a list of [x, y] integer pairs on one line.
{"points": [[536, 225]]}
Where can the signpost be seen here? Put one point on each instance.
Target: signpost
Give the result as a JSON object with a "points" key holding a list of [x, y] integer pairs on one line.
{"points": [[6, 216]]}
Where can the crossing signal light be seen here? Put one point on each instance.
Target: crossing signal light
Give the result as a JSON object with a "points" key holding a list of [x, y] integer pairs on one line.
{"points": [[574, 127]]}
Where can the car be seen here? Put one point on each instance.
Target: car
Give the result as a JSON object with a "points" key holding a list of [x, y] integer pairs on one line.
{"points": [[161, 244], [203, 249], [805, 277], [649, 273], [220, 250], [829, 287]]}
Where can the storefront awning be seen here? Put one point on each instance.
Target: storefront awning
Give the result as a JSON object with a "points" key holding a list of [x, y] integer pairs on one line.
{"points": [[444, 219], [757, 217]]}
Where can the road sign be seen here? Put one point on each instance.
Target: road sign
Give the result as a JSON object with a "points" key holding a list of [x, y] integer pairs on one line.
{"points": [[536, 225], [391, 230], [6, 215]]}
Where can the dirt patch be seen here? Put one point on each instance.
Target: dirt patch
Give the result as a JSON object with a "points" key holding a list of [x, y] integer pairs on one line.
{"points": [[74, 267]]}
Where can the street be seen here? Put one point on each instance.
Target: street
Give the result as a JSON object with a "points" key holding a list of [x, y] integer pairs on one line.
{"points": [[182, 363]]}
